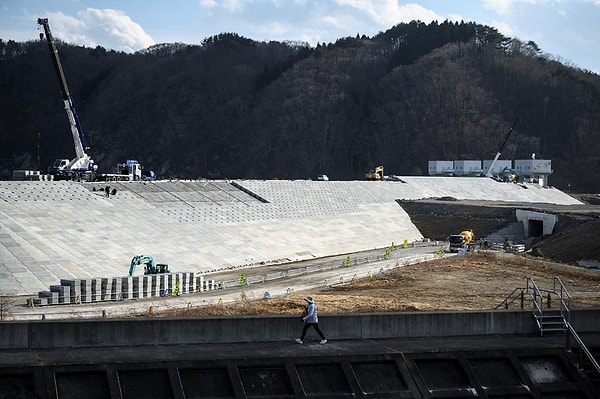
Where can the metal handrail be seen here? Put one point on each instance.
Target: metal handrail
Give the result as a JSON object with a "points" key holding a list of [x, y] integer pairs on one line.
{"points": [[562, 294], [582, 346], [538, 308], [511, 298]]}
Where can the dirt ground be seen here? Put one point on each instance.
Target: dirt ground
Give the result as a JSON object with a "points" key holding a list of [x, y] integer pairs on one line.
{"points": [[478, 281]]}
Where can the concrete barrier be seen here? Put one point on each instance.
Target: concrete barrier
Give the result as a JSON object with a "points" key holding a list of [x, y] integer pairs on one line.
{"points": [[162, 331]]}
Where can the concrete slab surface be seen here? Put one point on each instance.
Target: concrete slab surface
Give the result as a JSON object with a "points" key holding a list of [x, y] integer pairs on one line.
{"points": [[57, 230]]}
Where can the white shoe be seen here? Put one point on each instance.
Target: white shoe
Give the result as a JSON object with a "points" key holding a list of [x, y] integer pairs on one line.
{"points": [[323, 341], [299, 340]]}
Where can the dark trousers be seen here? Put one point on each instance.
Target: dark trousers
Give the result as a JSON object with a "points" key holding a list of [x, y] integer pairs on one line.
{"points": [[316, 327]]}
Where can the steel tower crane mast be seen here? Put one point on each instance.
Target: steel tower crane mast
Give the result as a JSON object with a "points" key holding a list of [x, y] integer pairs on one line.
{"points": [[82, 164]]}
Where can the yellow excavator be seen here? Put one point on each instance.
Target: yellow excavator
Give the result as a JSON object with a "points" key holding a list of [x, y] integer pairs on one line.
{"points": [[375, 174], [149, 266]]}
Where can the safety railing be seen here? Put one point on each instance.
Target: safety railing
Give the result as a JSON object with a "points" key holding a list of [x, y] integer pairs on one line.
{"points": [[564, 299], [546, 316], [518, 294], [537, 302], [244, 280], [583, 350]]}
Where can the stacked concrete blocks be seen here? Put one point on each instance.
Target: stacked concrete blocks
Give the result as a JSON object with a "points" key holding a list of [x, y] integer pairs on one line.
{"points": [[64, 293], [96, 293], [126, 288], [74, 289], [206, 285], [120, 288]]}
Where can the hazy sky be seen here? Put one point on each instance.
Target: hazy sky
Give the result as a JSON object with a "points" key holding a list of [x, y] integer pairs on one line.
{"points": [[566, 29]]}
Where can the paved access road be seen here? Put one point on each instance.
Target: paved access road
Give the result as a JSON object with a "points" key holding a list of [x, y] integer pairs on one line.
{"points": [[259, 281]]}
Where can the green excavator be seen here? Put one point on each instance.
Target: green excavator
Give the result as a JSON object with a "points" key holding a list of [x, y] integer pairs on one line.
{"points": [[149, 266]]}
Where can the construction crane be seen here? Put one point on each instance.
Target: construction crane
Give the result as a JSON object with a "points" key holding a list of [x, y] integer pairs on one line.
{"points": [[82, 166], [493, 164]]}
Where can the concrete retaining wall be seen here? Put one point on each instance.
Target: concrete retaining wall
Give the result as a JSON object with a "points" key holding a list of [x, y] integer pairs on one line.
{"points": [[158, 331]]}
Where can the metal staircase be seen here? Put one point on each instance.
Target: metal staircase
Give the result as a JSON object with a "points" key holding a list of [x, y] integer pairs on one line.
{"points": [[552, 315], [550, 319], [550, 306]]}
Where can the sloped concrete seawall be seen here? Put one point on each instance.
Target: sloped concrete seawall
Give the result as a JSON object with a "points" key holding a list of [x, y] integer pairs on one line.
{"points": [[248, 329], [50, 231]]}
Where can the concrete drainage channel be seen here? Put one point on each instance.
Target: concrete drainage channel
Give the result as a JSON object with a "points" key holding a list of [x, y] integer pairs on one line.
{"points": [[410, 355]]}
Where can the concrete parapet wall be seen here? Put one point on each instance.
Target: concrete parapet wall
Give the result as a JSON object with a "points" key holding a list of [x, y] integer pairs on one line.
{"points": [[159, 331]]}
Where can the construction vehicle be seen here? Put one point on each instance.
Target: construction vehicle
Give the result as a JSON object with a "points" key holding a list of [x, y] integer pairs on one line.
{"points": [[149, 266], [130, 170], [81, 167], [510, 175], [375, 174], [464, 239], [493, 164]]}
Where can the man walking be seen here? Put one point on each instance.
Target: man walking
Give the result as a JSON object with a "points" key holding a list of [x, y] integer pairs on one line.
{"points": [[311, 319]]}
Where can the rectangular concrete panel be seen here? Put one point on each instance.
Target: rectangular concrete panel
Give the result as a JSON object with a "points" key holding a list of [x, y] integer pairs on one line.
{"points": [[443, 374], [379, 377], [17, 384], [145, 384], [89, 385], [266, 381], [323, 379], [211, 382]]}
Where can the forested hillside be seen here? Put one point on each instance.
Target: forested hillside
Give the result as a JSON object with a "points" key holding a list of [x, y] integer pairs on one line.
{"points": [[232, 107]]}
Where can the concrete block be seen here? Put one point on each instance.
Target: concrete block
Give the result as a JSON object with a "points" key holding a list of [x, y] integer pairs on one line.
{"points": [[51, 297], [127, 287], [135, 282], [162, 282], [185, 283], [153, 286], [86, 290], [116, 290], [96, 289], [64, 293], [146, 286], [105, 289], [75, 288], [170, 283], [40, 301], [193, 286], [207, 285]]}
